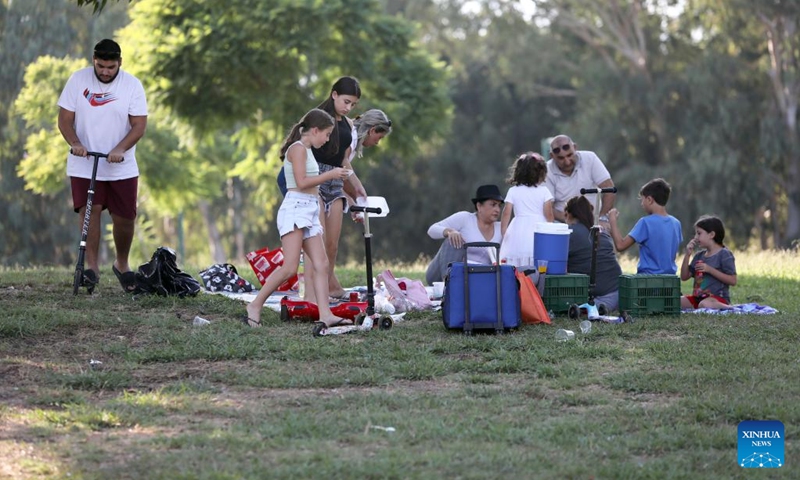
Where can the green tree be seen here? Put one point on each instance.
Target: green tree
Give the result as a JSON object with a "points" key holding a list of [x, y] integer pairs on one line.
{"points": [[214, 71], [35, 229]]}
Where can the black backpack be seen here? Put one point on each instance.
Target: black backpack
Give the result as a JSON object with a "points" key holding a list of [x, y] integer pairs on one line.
{"points": [[162, 276]]}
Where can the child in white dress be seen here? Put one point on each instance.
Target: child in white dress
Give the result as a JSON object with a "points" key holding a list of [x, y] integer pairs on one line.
{"points": [[531, 203]]}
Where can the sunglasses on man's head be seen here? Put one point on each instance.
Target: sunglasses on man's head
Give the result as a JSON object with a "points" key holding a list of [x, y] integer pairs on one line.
{"points": [[566, 148]]}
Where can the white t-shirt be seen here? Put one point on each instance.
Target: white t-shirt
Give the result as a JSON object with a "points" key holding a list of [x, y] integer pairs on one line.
{"points": [[466, 224], [101, 120], [589, 172], [529, 201]]}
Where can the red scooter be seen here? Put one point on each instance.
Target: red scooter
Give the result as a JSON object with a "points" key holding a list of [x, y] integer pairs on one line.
{"points": [[366, 319], [309, 312]]}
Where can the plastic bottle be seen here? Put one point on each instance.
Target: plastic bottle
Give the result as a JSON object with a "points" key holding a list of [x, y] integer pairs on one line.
{"points": [[301, 279], [698, 278]]}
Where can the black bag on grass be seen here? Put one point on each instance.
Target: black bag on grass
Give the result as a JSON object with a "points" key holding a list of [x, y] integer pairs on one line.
{"points": [[162, 276]]}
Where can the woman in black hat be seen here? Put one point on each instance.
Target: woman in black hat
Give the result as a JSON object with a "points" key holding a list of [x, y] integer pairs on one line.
{"points": [[482, 225]]}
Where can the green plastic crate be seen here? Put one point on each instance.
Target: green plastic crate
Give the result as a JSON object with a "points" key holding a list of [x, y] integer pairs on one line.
{"points": [[650, 294], [561, 291]]}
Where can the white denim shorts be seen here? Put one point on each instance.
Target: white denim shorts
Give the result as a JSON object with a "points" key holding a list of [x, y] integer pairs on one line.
{"points": [[299, 210]]}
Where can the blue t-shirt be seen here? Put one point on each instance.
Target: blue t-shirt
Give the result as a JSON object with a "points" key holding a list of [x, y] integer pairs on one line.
{"points": [[659, 238]]}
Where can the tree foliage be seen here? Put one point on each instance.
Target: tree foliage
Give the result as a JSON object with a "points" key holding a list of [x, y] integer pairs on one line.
{"points": [[702, 92]]}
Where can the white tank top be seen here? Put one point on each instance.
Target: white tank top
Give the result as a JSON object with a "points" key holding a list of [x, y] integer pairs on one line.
{"points": [[312, 169]]}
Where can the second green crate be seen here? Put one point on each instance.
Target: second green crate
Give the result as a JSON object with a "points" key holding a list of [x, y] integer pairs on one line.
{"points": [[561, 291], [650, 294]]}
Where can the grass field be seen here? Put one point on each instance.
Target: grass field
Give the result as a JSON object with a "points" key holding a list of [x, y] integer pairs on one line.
{"points": [[659, 398]]}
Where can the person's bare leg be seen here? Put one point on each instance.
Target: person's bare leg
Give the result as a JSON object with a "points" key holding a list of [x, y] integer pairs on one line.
{"points": [[685, 303], [311, 291], [92, 238], [291, 244], [122, 230], [308, 271], [714, 303], [315, 248], [333, 230]]}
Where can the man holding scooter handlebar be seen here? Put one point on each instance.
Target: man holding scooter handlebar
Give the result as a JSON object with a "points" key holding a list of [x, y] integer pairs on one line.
{"points": [[104, 109]]}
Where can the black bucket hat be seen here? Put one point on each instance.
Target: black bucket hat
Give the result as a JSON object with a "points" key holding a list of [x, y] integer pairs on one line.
{"points": [[487, 192]]}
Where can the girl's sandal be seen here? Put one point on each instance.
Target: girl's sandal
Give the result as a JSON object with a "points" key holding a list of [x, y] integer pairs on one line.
{"points": [[250, 322], [319, 327]]}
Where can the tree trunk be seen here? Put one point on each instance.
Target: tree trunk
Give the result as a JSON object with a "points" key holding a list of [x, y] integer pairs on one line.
{"points": [[793, 202], [235, 213], [784, 72], [613, 26], [214, 238]]}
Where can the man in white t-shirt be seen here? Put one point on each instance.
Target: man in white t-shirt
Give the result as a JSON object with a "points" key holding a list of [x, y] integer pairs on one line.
{"points": [[569, 170], [103, 109]]}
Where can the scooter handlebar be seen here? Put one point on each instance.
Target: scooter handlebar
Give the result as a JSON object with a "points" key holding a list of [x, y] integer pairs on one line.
{"points": [[362, 208], [93, 154], [584, 191]]}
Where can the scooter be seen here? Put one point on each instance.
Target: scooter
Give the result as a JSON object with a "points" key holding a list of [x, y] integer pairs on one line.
{"points": [[368, 319], [77, 281], [307, 311], [596, 312]]}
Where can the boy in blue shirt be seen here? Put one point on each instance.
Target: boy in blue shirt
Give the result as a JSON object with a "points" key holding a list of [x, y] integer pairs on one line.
{"points": [[658, 233]]}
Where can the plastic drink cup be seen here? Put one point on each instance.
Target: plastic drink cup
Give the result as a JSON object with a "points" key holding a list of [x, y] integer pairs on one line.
{"points": [[542, 266], [586, 326], [438, 289], [564, 335], [353, 296]]}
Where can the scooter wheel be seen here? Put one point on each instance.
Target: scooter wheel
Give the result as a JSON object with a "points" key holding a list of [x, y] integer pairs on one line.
{"points": [[77, 281], [284, 313], [627, 318], [359, 320], [318, 328], [386, 323], [601, 309], [574, 312]]}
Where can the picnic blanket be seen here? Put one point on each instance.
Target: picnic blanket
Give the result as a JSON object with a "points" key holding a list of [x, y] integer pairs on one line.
{"points": [[273, 302], [744, 308]]}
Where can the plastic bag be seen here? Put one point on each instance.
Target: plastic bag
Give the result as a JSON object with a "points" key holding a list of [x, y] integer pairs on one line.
{"points": [[413, 297], [162, 276], [532, 307], [264, 262], [223, 277]]}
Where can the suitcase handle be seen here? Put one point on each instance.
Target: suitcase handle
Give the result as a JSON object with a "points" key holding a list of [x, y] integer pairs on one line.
{"points": [[494, 245]]}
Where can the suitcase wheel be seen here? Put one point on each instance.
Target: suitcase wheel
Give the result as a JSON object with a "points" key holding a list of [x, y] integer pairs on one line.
{"points": [[626, 317]]}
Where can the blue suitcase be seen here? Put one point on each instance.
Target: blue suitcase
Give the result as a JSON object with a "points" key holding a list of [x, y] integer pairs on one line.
{"points": [[481, 296]]}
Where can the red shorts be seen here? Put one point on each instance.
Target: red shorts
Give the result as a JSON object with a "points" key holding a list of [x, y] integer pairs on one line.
{"points": [[695, 301], [118, 196]]}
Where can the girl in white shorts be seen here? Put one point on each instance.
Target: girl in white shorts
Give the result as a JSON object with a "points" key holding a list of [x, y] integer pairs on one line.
{"points": [[298, 217]]}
